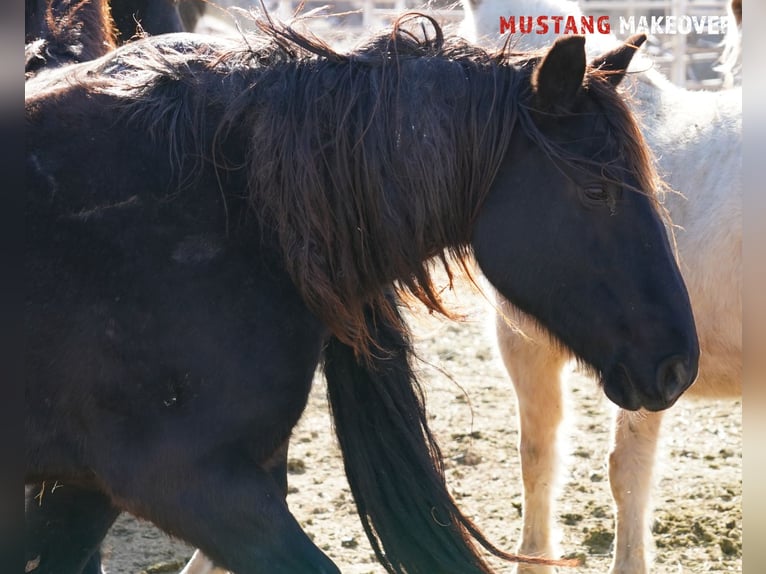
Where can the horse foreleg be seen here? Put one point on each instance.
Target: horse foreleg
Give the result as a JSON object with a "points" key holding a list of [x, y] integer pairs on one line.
{"points": [[235, 514], [201, 564], [535, 369], [630, 477], [64, 527]]}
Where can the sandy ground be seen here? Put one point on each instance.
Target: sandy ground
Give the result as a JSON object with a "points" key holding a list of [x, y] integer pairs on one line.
{"points": [[697, 519]]}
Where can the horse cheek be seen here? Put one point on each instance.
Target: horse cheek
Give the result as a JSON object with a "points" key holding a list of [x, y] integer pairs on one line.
{"points": [[507, 241]]}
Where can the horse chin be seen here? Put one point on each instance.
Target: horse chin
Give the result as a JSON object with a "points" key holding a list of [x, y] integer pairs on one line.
{"points": [[619, 388]]}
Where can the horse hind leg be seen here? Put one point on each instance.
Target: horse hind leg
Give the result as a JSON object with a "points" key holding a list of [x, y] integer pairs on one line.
{"points": [[535, 365], [64, 528], [630, 477]]}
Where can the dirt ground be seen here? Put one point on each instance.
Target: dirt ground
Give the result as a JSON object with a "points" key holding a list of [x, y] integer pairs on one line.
{"points": [[697, 498]]}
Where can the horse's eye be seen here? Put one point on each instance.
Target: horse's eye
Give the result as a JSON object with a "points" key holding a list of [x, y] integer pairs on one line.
{"points": [[596, 194]]}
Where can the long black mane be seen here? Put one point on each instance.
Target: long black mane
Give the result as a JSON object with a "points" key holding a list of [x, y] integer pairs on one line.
{"points": [[367, 164]]}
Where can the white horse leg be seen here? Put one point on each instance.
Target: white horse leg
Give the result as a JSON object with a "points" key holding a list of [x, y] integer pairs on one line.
{"points": [[630, 477], [199, 564], [535, 368]]}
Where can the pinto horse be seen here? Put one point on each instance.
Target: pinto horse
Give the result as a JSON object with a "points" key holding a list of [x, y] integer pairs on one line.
{"points": [[208, 219], [686, 129]]}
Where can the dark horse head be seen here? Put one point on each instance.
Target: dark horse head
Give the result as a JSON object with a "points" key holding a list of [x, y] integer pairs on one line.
{"points": [[590, 259]]}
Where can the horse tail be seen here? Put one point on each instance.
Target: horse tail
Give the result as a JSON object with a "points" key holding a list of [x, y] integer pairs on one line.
{"points": [[393, 463]]}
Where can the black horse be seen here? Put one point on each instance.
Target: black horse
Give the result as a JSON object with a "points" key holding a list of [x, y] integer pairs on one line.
{"points": [[207, 221]]}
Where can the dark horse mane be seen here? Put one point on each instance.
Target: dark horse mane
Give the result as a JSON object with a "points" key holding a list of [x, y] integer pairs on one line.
{"points": [[394, 144]]}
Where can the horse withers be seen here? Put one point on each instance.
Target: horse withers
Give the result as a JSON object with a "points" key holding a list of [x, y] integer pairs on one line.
{"points": [[207, 220]]}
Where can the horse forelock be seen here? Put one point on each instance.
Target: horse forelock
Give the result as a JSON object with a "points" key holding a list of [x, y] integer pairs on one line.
{"points": [[631, 157], [636, 155]]}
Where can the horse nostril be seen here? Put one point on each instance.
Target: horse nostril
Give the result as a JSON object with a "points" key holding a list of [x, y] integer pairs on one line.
{"points": [[673, 378]]}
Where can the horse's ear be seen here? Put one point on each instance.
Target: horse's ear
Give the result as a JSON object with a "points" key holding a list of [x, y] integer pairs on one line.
{"points": [[558, 77], [617, 61]]}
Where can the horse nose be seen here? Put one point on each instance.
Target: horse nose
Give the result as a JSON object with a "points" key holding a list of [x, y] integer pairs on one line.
{"points": [[673, 377]]}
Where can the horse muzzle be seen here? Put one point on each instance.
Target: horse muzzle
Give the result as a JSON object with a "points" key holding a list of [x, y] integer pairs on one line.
{"points": [[629, 388]]}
